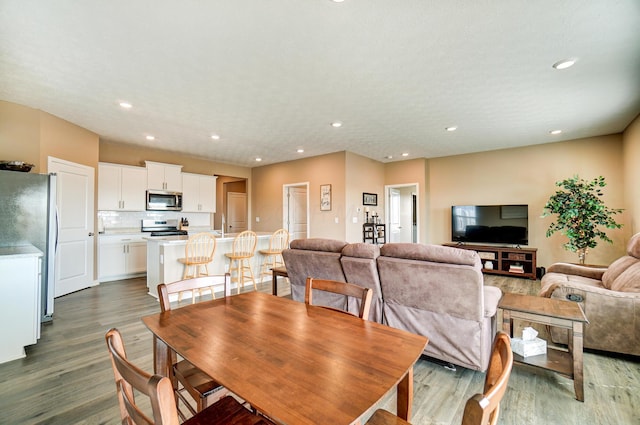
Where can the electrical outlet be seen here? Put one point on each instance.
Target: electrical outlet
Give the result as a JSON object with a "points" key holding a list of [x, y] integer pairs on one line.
{"points": [[337, 220], [257, 219], [355, 219]]}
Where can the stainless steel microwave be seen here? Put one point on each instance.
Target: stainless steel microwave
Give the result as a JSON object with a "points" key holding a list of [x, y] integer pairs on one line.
{"points": [[158, 200]]}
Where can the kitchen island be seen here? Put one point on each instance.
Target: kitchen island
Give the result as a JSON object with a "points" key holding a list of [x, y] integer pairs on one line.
{"points": [[163, 254]]}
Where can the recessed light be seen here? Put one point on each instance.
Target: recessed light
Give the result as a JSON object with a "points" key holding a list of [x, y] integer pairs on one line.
{"points": [[258, 159], [300, 151], [564, 64], [405, 154], [215, 137], [336, 124], [389, 156], [150, 137], [126, 105], [452, 128], [555, 131], [337, 1]]}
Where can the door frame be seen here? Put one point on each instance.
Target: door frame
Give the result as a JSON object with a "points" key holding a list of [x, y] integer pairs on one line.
{"points": [[387, 194], [285, 205]]}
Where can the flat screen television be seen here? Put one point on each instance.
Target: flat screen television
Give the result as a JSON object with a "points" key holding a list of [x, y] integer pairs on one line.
{"points": [[490, 224]]}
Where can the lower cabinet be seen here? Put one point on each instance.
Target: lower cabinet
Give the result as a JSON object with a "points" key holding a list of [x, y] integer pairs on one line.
{"points": [[20, 303], [121, 257]]}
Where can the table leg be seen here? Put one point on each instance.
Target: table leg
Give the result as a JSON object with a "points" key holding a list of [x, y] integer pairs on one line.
{"points": [[274, 282], [404, 401], [578, 378], [161, 357]]}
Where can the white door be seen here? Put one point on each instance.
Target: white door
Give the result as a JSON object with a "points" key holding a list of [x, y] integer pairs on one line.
{"points": [[401, 213], [395, 228], [236, 212], [296, 211], [74, 255]]}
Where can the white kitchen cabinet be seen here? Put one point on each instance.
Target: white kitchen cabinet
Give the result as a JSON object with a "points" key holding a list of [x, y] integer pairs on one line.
{"points": [[166, 177], [198, 193], [20, 268], [121, 257], [121, 187]]}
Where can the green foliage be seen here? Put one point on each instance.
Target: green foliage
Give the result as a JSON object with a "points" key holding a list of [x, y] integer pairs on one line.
{"points": [[581, 213]]}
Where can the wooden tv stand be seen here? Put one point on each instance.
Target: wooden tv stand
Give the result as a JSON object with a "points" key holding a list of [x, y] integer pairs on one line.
{"points": [[516, 262]]}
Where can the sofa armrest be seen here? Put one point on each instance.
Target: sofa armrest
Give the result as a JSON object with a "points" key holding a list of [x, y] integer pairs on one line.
{"points": [[577, 270], [492, 297]]}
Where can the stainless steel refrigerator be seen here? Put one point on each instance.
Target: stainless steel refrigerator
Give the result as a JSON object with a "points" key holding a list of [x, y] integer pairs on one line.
{"points": [[28, 216]]}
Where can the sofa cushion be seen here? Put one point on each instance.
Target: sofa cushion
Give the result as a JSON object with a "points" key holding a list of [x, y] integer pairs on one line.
{"points": [[433, 253], [633, 248], [361, 250], [318, 244], [616, 269], [629, 279], [492, 297]]}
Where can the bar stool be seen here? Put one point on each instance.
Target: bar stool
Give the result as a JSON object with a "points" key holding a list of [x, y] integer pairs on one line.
{"points": [[244, 247], [273, 255], [199, 252]]}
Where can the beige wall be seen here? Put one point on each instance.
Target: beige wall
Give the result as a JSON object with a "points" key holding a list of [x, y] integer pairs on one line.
{"points": [[20, 134], [631, 158], [528, 175], [268, 182], [120, 153], [362, 175], [32, 136], [414, 171]]}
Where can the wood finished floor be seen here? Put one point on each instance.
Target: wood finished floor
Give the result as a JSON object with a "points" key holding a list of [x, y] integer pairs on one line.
{"points": [[66, 378]]}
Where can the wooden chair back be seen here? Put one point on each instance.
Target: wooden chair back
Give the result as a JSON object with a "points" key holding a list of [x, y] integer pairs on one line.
{"points": [[483, 409], [129, 377], [364, 295], [194, 284], [244, 245], [279, 240], [200, 248]]}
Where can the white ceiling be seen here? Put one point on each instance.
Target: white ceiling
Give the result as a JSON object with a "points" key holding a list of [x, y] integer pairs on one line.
{"points": [[270, 76]]}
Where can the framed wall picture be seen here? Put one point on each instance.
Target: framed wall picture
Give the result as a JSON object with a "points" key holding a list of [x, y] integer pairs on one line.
{"points": [[325, 197], [370, 199]]}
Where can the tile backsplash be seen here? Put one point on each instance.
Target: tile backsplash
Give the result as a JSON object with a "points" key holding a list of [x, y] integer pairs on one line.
{"points": [[131, 220]]}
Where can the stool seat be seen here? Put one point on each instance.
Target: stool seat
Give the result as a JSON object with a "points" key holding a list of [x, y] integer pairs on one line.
{"points": [[199, 252]]}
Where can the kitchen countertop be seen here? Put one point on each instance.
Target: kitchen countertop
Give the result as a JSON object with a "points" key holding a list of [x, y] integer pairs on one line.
{"points": [[181, 239], [20, 251]]}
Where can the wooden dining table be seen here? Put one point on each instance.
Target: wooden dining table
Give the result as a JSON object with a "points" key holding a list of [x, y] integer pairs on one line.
{"points": [[295, 363]]}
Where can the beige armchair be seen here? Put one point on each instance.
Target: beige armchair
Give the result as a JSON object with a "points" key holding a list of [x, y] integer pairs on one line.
{"points": [[610, 298]]}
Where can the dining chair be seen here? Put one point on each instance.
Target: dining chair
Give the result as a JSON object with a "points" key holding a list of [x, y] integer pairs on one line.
{"points": [[204, 390], [481, 409], [272, 257], [363, 295], [244, 247], [159, 390], [198, 251]]}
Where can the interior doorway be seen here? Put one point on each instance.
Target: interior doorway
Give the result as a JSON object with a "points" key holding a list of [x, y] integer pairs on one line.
{"points": [[295, 210], [239, 211], [402, 212]]}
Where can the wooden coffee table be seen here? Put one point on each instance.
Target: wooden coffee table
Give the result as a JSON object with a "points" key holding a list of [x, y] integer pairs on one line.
{"points": [[552, 312]]}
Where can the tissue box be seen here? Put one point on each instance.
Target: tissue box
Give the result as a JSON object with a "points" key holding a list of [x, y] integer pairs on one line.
{"points": [[534, 347]]}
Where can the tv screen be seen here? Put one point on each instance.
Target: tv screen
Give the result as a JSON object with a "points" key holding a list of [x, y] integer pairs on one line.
{"points": [[495, 224]]}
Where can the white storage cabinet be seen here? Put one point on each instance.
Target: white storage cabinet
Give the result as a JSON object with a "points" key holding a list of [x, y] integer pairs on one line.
{"points": [[121, 257], [198, 193], [121, 187], [167, 177]]}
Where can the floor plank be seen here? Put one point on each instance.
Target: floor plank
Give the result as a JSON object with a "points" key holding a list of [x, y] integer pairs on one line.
{"points": [[66, 378]]}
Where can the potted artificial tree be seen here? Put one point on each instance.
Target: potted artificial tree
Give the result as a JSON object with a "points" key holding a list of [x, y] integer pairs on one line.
{"points": [[581, 212]]}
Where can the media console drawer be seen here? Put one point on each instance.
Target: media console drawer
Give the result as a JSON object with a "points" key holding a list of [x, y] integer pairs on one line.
{"points": [[516, 256]]}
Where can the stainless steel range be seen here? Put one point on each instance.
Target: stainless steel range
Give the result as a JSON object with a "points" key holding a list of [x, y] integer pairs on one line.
{"points": [[162, 228]]}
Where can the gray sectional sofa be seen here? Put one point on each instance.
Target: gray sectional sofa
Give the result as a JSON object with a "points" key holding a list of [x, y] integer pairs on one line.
{"points": [[430, 290]]}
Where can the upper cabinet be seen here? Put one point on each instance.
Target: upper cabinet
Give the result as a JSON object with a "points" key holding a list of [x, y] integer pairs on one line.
{"points": [[121, 187], [198, 193], [164, 176]]}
